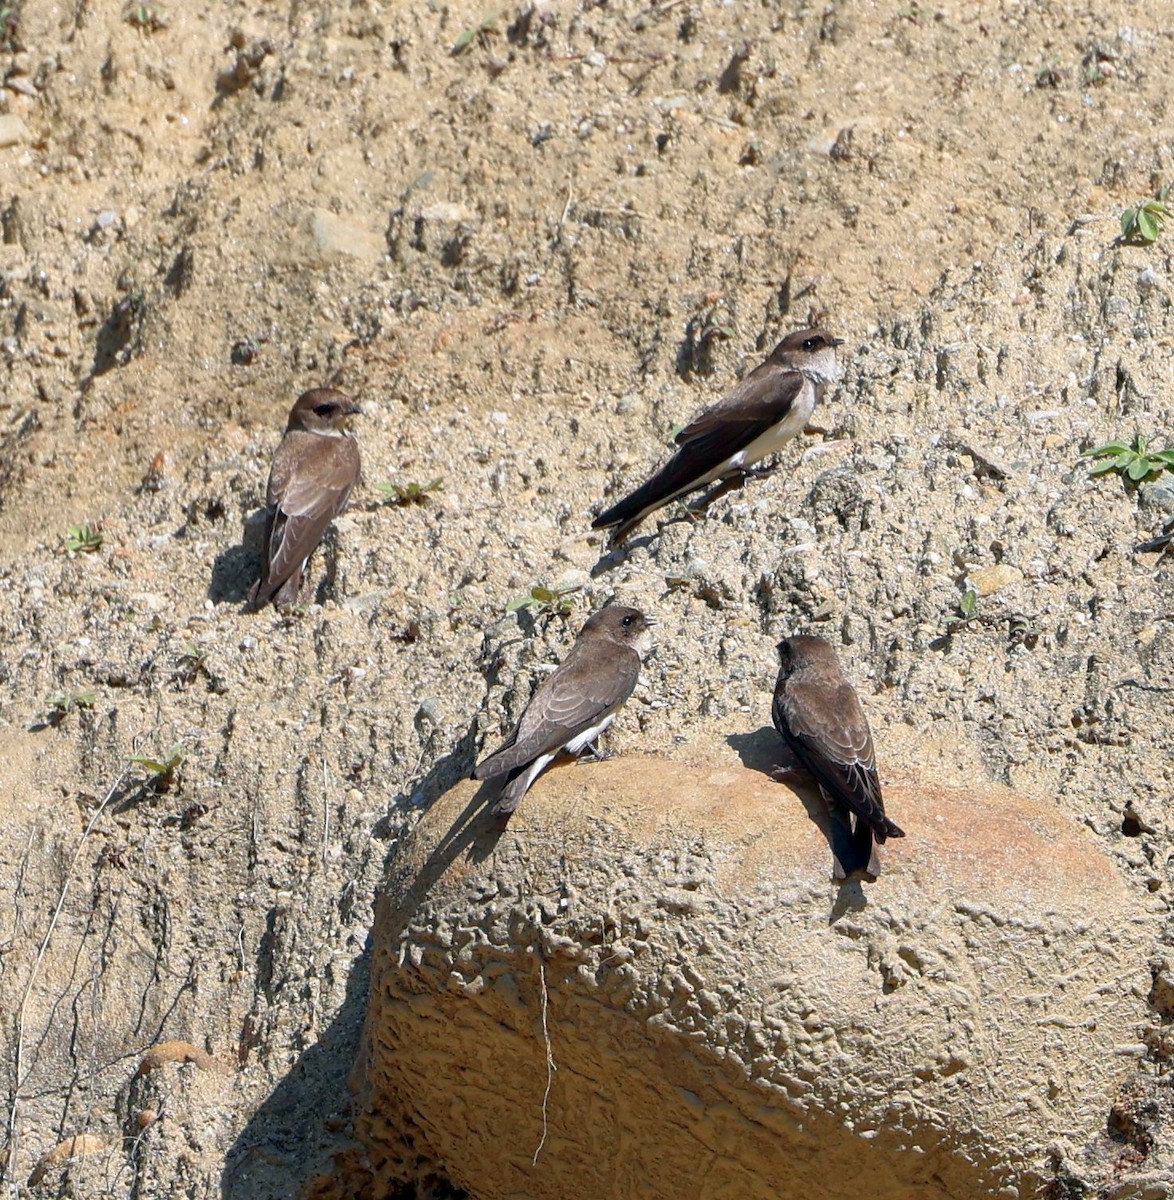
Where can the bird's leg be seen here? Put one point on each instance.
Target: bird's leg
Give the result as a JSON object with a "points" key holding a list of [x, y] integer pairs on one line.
{"points": [[791, 775], [731, 483], [591, 752]]}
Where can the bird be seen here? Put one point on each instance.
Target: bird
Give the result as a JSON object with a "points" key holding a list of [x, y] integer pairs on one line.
{"points": [[315, 467], [574, 704], [818, 714], [764, 411]]}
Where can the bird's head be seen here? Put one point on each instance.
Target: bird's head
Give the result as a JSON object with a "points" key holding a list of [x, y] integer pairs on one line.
{"points": [[629, 626], [803, 650], [321, 410], [812, 351]]}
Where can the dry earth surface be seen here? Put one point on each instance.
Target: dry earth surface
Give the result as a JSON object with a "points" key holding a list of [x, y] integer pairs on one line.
{"points": [[533, 241]]}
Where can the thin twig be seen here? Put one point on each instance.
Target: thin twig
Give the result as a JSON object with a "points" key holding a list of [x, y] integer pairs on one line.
{"points": [[325, 812], [550, 1067], [17, 1081]]}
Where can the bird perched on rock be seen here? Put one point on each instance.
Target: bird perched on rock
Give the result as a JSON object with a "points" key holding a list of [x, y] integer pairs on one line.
{"points": [[819, 717], [574, 704], [314, 469], [765, 411]]}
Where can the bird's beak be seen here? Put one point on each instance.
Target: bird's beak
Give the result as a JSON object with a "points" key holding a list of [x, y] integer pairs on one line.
{"points": [[353, 410], [837, 341]]}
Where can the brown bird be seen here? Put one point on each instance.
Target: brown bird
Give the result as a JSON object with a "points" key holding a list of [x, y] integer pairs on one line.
{"points": [[314, 469], [819, 717], [575, 704], [765, 411]]}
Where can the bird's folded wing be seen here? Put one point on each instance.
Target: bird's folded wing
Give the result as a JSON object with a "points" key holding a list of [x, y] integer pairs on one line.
{"points": [[304, 504], [761, 400], [830, 735], [569, 702]]}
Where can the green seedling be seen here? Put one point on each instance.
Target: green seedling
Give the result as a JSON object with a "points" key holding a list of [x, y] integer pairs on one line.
{"points": [[191, 663], [968, 606], [1143, 222], [544, 601], [1135, 463], [9, 23], [409, 493], [164, 771], [146, 17], [1050, 74], [83, 539], [61, 705], [487, 25]]}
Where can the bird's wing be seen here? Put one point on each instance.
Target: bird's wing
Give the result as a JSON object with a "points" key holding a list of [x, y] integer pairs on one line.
{"points": [[303, 504], [830, 736], [577, 696], [759, 401]]}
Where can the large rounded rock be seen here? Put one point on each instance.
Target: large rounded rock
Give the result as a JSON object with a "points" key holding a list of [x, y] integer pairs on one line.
{"points": [[646, 985]]}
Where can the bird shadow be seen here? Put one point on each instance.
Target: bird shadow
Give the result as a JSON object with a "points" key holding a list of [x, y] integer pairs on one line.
{"points": [[292, 1139], [236, 569], [617, 555], [475, 831], [765, 752]]}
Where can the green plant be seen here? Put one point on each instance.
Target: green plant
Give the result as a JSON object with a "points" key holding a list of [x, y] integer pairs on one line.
{"points": [[409, 493], [968, 606], [191, 663], [145, 16], [164, 771], [486, 26], [1143, 222], [1050, 74], [1133, 463], [83, 539], [9, 23], [61, 705], [543, 601]]}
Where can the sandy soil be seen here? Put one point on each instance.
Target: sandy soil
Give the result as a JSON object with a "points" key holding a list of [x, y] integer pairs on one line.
{"points": [[532, 242]]}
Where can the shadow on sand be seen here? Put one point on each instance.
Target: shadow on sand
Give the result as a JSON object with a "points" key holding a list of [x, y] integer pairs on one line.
{"points": [[235, 569], [297, 1136], [764, 751]]}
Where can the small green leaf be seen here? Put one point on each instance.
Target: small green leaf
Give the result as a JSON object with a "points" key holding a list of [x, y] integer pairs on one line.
{"points": [[1147, 226], [519, 602], [466, 37], [1107, 448], [1128, 222], [969, 605], [1165, 456], [1103, 468], [543, 595], [1138, 469]]}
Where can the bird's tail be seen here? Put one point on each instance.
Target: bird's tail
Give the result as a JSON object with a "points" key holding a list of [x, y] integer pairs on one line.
{"points": [[677, 477], [518, 784], [853, 849], [884, 828]]}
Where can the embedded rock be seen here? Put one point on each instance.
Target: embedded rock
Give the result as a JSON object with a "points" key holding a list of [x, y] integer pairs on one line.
{"points": [[720, 1018]]}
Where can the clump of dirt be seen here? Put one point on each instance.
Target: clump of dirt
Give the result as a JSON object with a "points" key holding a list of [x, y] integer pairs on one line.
{"points": [[532, 243]]}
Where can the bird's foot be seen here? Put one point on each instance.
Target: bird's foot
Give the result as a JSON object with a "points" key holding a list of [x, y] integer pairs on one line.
{"points": [[731, 483], [761, 472], [592, 753], [790, 775]]}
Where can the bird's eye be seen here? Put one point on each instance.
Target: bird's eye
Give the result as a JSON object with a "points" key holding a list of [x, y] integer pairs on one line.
{"points": [[626, 621], [810, 343], [324, 410]]}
